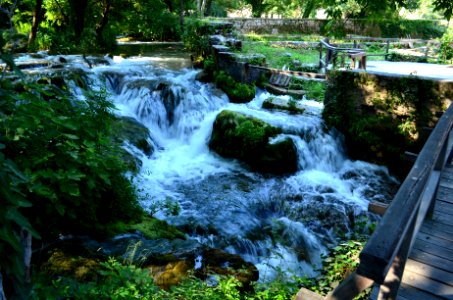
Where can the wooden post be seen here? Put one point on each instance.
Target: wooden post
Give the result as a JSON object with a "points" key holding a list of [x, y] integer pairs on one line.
{"points": [[351, 287], [320, 56], [392, 282], [387, 47]]}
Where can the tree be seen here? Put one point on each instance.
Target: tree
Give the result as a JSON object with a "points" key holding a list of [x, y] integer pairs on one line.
{"points": [[338, 9], [445, 6], [37, 17], [258, 7]]}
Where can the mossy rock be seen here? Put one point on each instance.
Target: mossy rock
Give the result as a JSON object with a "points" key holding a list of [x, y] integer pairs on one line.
{"points": [[236, 135], [129, 129], [289, 105], [80, 268], [153, 228]]}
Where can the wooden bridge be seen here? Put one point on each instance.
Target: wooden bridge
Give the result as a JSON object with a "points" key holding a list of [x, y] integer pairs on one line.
{"points": [[410, 254]]}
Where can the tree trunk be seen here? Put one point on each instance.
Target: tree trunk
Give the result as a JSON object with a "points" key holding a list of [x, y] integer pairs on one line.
{"points": [[36, 21], [103, 22], [181, 15], [203, 5], [208, 9], [78, 15], [169, 4], [199, 8]]}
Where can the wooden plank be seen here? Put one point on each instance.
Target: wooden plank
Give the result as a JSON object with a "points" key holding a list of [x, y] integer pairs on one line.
{"points": [[408, 292], [431, 260], [429, 271], [381, 248], [433, 249], [439, 230], [442, 218], [448, 169], [426, 284], [434, 240], [446, 183], [445, 194], [443, 207], [374, 292]]}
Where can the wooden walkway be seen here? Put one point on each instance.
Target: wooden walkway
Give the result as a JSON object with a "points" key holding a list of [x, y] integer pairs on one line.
{"points": [[429, 270]]}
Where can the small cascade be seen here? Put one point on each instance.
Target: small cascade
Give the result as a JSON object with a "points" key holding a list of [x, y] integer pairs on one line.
{"points": [[282, 224]]}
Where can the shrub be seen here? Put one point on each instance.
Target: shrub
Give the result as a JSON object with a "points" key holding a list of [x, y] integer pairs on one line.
{"points": [[196, 38], [446, 46], [64, 147]]}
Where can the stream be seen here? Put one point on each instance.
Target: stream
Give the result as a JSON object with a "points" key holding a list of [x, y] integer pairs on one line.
{"points": [[282, 224]]}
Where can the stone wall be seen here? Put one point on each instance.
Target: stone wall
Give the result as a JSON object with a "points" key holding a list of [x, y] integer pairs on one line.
{"points": [[276, 26], [383, 116], [386, 28]]}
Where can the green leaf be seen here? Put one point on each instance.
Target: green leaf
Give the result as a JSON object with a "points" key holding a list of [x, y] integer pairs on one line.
{"points": [[71, 136], [8, 235]]}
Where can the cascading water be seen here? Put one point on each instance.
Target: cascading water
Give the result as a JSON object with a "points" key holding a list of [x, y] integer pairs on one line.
{"points": [[282, 223]]}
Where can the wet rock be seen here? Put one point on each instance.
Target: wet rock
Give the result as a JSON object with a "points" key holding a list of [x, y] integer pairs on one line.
{"points": [[203, 76], [248, 139], [208, 263], [62, 263], [290, 105], [129, 129], [217, 39], [215, 261]]}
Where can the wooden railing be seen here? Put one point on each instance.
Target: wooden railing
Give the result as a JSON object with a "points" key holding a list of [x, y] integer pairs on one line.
{"points": [[429, 50], [332, 54], [384, 256]]}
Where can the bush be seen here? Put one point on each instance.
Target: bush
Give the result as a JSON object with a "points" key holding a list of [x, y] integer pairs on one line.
{"points": [[64, 147], [196, 38], [446, 46], [394, 56], [118, 281]]}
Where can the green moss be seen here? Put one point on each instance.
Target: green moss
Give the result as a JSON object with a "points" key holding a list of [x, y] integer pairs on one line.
{"points": [[246, 138], [237, 92], [153, 228], [290, 106]]}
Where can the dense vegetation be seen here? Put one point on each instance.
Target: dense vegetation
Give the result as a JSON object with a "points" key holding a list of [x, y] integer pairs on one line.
{"points": [[61, 171], [86, 25]]}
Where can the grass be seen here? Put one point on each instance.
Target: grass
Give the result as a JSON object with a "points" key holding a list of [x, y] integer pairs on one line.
{"points": [[282, 57], [279, 56]]}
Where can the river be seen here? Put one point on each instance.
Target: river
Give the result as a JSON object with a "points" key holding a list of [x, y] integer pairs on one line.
{"points": [[282, 224]]}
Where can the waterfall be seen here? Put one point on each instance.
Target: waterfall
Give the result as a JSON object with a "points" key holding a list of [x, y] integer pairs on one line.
{"points": [[282, 224]]}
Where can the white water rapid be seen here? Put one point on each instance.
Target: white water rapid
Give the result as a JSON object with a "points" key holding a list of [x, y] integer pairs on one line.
{"points": [[281, 223]]}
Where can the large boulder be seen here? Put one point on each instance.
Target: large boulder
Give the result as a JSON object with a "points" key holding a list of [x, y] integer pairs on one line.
{"points": [[137, 134], [251, 140], [129, 129]]}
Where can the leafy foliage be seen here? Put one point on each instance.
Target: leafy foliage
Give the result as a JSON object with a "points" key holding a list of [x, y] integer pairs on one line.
{"points": [[76, 179], [446, 46], [13, 221], [445, 6], [118, 281], [196, 33]]}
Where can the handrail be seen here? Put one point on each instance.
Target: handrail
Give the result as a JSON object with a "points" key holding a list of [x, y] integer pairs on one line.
{"points": [[334, 48], [383, 258], [332, 51]]}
